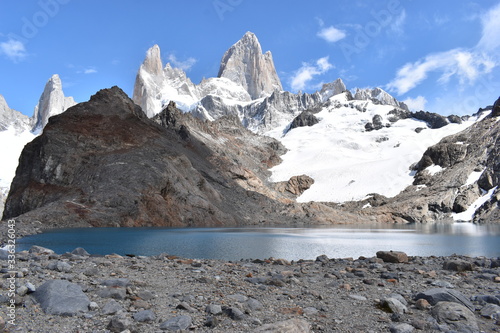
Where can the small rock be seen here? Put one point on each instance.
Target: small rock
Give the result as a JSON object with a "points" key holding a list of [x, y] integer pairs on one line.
{"points": [[31, 287], [123, 282], [422, 304], [456, 316], [253, 305], [323, 259], [293, 325], [79, 251], [186, 306], [358, 297], [458, 265], [238, 298], [22, 290], [491, 311], [442, 284], [235, 313], [40, 250], [60, 266], [141, 304], [93, 306], [111, 307], [119, 323], [310, 311], [401, 328], [393, 256], [213, 309], [145, 295], [177, 323], [394, 305], [144, 316], [116, 293]]}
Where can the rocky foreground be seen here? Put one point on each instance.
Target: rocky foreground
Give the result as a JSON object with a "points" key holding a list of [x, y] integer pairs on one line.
{"points": [[78, 292]]}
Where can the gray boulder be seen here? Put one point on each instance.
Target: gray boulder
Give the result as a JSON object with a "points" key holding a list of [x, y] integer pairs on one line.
{"points": [[60, 297], [144, 316], [436, 295], [177, 323], [456, 316]]}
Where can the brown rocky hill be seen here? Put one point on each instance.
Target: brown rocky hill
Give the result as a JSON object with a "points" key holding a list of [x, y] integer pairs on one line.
{"points": [[104, 163]]}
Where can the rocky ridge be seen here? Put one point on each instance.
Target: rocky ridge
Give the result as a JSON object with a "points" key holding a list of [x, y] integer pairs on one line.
{"points": [[245, 64], [179, 171], [389, 292], [454, 180]]}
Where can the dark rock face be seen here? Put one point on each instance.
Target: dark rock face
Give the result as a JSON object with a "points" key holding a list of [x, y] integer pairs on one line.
{"points": [[495, 112], [305, 118], [103, 163], [433, 120]]}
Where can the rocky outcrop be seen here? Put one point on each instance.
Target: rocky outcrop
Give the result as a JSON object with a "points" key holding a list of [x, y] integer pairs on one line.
{"points": [[305, 118], [450, 177], [51, 103], [378, 96], [12, 118], [105, 163], [333, 88], [245, 65]]}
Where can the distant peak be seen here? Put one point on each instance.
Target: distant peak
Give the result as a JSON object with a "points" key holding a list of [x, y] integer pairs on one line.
{"points": [[152, 63], [244, 64]]}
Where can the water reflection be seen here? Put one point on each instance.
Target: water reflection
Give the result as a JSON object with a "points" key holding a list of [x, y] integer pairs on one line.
{"points": [[288, 243]]}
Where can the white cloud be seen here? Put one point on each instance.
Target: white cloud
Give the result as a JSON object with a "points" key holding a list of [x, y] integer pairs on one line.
{"points": [[14, 50], [416, 104], [490, 38], [466, 66], [331, 34], [90, 71], [184, 65], [308, 71]]}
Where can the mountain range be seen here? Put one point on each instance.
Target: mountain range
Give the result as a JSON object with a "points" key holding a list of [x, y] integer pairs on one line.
{"points": [[236, 149]]}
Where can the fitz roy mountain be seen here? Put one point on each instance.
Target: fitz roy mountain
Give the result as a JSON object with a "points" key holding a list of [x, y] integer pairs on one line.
{"points": [[237, 149], [17, 129]]}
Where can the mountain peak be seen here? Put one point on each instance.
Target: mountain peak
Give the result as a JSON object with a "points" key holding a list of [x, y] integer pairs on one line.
{"points": [[245, 65], [152, 63], [51, 102]]}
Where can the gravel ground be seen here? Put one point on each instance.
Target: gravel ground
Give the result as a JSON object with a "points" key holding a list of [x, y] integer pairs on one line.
{"points": [[389, 292]]}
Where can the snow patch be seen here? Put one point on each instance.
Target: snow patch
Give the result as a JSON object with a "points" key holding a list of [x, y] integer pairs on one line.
{"points": [[469, 213], [473, 178], [434, 169]]}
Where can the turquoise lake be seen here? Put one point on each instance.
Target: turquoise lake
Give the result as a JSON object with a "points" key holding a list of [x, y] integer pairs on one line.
{"points": [[288, 243]]}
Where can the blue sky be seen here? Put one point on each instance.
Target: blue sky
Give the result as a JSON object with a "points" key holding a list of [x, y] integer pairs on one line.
{"points": [[441, 56]]}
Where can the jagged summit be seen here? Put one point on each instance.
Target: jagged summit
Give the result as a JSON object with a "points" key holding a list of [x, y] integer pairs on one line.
{"points": [[245, 64], [378, 95], [152, 62], [51, 102]]}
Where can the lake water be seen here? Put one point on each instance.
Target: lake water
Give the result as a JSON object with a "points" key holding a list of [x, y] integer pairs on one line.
{"points": [[288, 243]]}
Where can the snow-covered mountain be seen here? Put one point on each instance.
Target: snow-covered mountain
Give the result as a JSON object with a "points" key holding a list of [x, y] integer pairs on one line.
{"points": [[17, 129], [349, 162]]}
